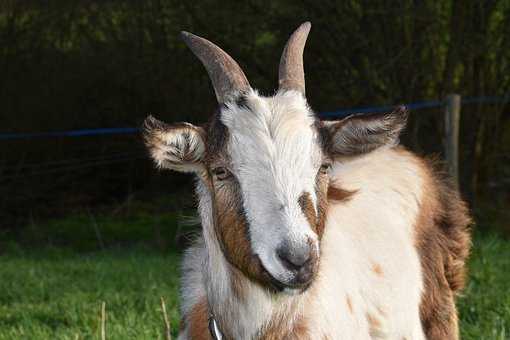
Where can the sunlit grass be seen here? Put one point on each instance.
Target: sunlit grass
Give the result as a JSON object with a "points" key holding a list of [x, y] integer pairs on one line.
{"points": [[57, 294], [485, 305]]}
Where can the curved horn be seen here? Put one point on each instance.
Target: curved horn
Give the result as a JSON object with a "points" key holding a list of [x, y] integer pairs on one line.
{"points": [[291, 74], [226, 75]]}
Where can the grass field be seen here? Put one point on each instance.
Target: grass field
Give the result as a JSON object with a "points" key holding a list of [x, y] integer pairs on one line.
{"points": [[58, 295], [53, 293]]}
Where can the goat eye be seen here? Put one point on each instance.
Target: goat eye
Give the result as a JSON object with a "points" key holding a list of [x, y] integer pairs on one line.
{"points": [[221, 173], [325, 168]]}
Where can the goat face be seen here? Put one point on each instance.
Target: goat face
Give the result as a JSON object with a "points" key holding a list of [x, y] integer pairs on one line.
{"points": [[264, 162], [272, 163]]}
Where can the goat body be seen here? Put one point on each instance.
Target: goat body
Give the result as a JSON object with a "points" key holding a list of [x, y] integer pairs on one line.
{"points": [[391, 262]]}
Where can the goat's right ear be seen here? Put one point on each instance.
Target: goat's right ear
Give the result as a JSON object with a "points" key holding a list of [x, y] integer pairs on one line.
{"points": [[178, 147]]}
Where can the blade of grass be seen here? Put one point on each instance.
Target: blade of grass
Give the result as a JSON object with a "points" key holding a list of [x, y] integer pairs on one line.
{"points": [[103, 321], [168, 336]]}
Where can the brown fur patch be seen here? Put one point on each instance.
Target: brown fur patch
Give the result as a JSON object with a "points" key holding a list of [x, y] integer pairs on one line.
{"points": [[198, 321], [377, 269], [232, 232], [375, 326], [321, 189], [373, 322], [306, 204], [216, 139], [349, 304], [443, 243], [336, 193]]}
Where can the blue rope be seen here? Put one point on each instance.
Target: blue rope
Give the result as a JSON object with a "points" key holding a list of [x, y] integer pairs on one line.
{"points": [[488, 100], [378, 109], [70, 133], [331, 114], [413, 106]]}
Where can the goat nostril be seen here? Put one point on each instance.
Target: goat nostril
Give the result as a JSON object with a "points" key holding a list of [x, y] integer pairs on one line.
{"points": [[293, 259]]}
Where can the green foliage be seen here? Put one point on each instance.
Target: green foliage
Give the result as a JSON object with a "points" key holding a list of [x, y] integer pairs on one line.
{"points": [[88, 64]]}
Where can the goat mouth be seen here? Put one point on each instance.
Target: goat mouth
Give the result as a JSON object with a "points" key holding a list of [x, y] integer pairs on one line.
{"points": [[273, 283], [278, 286]]}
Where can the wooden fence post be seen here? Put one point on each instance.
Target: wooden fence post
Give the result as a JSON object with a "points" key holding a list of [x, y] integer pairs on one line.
{"points": [[451, 142]]}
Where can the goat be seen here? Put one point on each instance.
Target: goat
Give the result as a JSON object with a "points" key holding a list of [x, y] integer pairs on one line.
{"points": [[310, 229]]}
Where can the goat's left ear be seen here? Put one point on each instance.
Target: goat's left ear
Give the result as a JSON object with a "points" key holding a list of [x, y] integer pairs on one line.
{"points": [[362, 133], [179, 147]]}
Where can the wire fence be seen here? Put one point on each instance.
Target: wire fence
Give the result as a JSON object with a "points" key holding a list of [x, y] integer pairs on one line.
{"points": [[72, 165], [70, 133], [11, 172], [326, 114]]}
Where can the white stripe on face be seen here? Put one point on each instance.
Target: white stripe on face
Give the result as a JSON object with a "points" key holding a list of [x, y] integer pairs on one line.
{"points": [[275, 155]]}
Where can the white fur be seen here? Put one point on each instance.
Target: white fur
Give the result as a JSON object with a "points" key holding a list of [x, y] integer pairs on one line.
{"points": [[168, 153], [374, 228], [275, 155]]}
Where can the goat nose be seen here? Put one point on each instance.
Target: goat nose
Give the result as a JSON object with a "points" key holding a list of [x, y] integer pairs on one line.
{"points": [[294, 258]]}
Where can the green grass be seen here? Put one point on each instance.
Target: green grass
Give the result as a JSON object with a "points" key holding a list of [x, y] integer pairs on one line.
{"points": [[57, 294], [485, 304], [85, 232]]}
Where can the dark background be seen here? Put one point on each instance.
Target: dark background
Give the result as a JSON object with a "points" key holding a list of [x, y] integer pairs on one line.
{"points": [[71, 64]]}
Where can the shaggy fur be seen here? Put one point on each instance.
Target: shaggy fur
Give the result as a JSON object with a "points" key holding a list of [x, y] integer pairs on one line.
{"points": [[443, 241]]}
